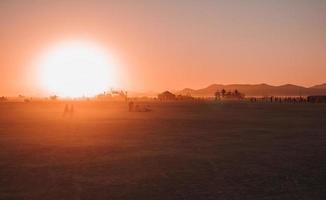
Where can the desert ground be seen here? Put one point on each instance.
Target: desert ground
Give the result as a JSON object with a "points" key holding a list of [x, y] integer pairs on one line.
{"points": [[178, 151]]}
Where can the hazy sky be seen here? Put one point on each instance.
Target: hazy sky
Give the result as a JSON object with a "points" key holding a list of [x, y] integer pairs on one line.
{"points": [[172, 44]]}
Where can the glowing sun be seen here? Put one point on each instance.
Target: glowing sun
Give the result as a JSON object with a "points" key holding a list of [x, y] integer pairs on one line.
{"points": [[77, 68]]}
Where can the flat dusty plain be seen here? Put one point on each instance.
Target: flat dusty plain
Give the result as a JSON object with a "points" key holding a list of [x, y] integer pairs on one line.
{"points": [[178, 151]]}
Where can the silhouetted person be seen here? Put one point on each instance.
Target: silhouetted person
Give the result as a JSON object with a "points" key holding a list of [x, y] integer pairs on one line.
{"points": [[131, 106], [65, 110], [223, 92], [217, 95], [71, 111], [137, 108]]}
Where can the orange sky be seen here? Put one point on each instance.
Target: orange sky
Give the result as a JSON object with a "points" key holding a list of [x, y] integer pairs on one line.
{"points": [[172, 45]]}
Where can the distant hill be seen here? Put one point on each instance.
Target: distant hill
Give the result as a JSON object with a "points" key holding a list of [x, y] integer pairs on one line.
{"points": [[322, 86], [258, 90]]}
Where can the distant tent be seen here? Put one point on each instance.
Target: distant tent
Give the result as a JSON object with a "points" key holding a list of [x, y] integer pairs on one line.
{"points": [[316, 99], [166, 96]]}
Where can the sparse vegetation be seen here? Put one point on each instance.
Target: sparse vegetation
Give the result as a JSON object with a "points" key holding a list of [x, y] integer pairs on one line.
{"points": [[228, 95]]}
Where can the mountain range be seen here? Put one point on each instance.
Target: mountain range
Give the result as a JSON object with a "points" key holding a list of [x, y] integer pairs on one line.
{"points": [[258, 90]]}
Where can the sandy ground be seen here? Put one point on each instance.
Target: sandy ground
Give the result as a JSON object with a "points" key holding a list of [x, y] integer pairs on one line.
{"points": [[177, 151]]}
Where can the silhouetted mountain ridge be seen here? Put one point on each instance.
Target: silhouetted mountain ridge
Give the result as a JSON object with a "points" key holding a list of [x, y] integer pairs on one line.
{"points": [[321, 86], [258, 90]]}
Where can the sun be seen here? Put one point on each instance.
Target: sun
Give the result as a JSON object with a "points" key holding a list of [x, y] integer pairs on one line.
{"points": [[76, 69]]}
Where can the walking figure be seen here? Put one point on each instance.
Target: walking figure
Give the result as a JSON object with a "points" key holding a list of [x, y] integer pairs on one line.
{"points": [[65, 110], [71, 111], [68, 111], [131, 106]]}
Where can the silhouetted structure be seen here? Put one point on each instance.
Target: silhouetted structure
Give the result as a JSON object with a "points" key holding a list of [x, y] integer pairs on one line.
{"points": [[166, 96], [316, 99], [184, 97], [275, 99], [113, 95]]}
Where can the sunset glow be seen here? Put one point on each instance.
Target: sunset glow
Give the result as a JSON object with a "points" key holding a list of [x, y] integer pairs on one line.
{"points": [[77, 68], [159, 99]]}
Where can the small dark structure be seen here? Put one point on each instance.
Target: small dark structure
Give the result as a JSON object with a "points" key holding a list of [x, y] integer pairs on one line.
{"points": [[166, 96], [316, 99], [184, 97]]}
